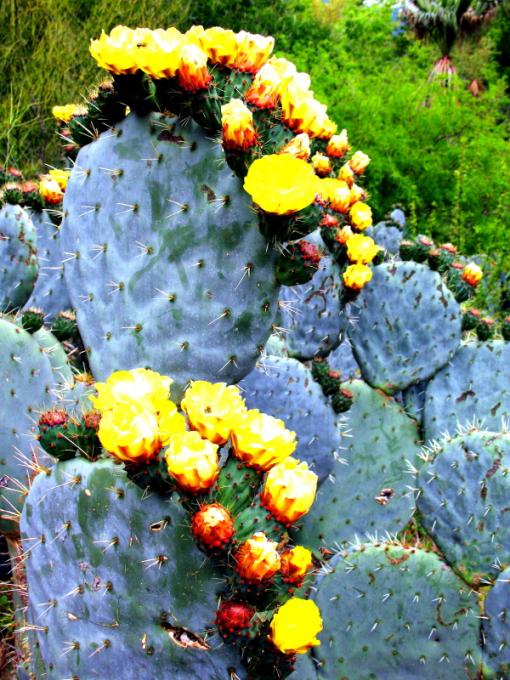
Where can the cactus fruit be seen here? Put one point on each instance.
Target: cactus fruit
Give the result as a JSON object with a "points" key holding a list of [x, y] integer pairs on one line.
{"points": [[404, 326], [395, 613], [473, 387], [463, 499], [18, 259], [371, 486]]}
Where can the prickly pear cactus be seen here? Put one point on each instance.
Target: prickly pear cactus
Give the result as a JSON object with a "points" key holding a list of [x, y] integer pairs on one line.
{"points": [[371, 486], [50, 290], [404, 326], [56, 355], [178, 254], [311, 313], [393, 614], [472, 387], [463, 501], [285, 389], [28, 386], [97, 542], [496, 627], [18, 259]]}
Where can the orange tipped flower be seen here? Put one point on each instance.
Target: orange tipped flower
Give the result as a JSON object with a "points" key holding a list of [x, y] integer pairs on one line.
{"points": [[360, 216], [299, 147], [356, 276], [303, 113], [137, 385], [359, 162], [336, 193], [237, 126], [296, 563], [212, 526], [159, 52], [61, 177], [343, 235], [321, 164], [193, 74], [338, 145], [346, 174], [472, 274], [295, 626], [213, 409], [252, 52], [130, 433], [192, 461], [261, 441], [264, 91], [50, 191], [257, 559], [281, 184], [357, 194], [361, 249], [289, 490]]}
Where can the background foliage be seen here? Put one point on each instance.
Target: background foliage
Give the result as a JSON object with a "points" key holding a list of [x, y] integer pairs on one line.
{"points": [[443, 153]]}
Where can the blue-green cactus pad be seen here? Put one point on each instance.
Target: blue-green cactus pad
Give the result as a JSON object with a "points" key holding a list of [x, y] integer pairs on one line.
{"points": [[371, 490], [166, 266], [496, 628], [396, 614], [404, 325], [464, 502], [473, 387], [116, 567], [18, 259]]}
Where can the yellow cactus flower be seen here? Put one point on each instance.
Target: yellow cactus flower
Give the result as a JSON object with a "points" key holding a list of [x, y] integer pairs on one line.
{"points": [[287, 70], [281, 184], [257, 559], [357, 194], [170, 421], [264, 92], [61, 177], [116, 52], [289, 490], [138, 384], [360, 216], [303, 113], [65, 112], [356, 276], [130, 432], [192, 461], [361, 249], [472, 274], [296, 563], [321, 164], [193, 74], [299, 147], [237, 126], [261, 441], [195, 36], [336, 193], [252, 52], [50, 191], [338, 145], [159, 53], [213, 408], [220, 45], [295, 625], [359, 162], [346, 174]]}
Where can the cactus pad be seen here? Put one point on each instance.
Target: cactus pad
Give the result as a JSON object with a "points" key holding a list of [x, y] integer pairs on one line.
{"points": [[18, 259]]}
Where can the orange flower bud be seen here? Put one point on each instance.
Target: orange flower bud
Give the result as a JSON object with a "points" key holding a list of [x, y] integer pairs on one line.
{"points": [[299, 147], [343, 235], [212, 526], [359, 162], [296, 563], [336, 193], [192, 461], [346, 174], [338, 145], [472, 274], [357, 194], [257, 559], [356, 276], [264, 91], [193, 73], [50, 191], [289, 490], [321, 164], [237, 125]]}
